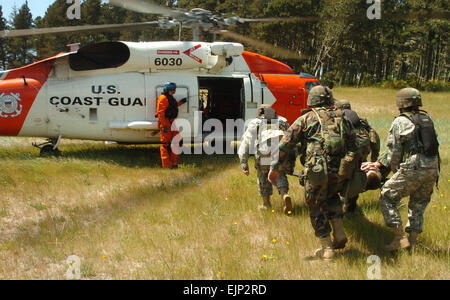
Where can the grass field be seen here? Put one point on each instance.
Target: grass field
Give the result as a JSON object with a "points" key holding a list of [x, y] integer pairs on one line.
{"points": [[125, 218]]}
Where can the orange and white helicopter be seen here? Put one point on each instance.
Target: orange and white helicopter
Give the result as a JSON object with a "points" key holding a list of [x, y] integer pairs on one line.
{"points": [[108, 91]]}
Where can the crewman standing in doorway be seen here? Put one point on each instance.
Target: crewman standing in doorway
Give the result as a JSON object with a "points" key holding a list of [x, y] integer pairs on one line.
{"points": [[167, 112]]}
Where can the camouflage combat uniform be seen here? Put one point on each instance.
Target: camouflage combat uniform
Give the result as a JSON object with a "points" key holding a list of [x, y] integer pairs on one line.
{"points": [[323, 201], [415, 176], [248, 146]]}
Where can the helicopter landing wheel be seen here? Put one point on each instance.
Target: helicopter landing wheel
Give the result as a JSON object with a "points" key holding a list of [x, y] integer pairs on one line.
{"points": [[48, 150]]}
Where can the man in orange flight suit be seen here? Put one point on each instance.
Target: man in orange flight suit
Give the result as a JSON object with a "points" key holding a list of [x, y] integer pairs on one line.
{"points": [[167, 112]]}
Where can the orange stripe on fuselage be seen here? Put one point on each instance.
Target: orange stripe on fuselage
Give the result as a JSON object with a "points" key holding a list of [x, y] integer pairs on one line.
{"points": [[19, 89]]}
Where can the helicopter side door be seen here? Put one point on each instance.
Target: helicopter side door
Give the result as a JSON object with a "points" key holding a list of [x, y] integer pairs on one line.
{"points": [[186, 88]]}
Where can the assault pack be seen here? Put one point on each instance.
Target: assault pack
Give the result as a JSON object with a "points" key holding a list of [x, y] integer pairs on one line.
{"points": [[331, 132], [330, 145], [268, 135], [367, 139]]}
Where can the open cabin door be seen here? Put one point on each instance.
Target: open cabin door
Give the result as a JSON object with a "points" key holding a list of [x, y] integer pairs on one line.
{"points": [[222, 103], [186, 88]]}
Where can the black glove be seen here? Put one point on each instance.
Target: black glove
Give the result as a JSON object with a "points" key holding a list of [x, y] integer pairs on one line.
{"points": [[183, 101]]}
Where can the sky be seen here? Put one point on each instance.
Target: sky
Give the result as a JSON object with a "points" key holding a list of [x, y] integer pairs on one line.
{"points": [[37, 7]]}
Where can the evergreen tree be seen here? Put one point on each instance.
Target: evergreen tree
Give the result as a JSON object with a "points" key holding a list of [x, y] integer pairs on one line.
{"points": [[3, 65], [20, 49]]}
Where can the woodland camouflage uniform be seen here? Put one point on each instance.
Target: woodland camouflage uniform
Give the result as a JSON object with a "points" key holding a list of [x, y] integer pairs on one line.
{"points": [[323, 201], [415, 172]]}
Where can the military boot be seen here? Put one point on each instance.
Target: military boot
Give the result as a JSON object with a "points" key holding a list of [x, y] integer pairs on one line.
{"points": [[266, 203], [339, 236], [287, 205], [326, 252], [400, 240], [412, 238]]}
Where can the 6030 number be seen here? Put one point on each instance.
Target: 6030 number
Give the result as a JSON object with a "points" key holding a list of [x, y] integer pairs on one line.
{"points": [[168, 61]]}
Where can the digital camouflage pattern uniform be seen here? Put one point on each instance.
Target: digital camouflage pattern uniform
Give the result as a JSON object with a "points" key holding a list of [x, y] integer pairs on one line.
{"points": [[415, 176], [323, 201], [248, 146]]}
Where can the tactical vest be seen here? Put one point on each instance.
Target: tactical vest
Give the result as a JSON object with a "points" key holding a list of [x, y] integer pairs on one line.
{"points": [[425, 138], [172, 111]]}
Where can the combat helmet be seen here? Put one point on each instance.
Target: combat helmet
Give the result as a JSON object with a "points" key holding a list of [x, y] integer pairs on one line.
{"points": [[320, 95], [265, 111], [408, 97], [343, 104]]}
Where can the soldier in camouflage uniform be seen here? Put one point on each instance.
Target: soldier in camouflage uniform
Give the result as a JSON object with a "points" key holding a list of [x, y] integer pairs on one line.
{"points": [[367, 140], [250, 142], [412, 154], [371, 143], [327, 137]]}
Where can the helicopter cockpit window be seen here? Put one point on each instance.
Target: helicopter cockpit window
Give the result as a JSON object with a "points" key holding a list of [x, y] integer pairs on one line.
{"points": [[100, 56], [310, 84]]}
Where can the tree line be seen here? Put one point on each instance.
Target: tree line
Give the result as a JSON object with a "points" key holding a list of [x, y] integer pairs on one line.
{"points": [[408, 45]]}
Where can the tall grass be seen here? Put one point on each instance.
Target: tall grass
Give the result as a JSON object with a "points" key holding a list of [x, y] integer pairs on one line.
{"points": [[128, 219]]}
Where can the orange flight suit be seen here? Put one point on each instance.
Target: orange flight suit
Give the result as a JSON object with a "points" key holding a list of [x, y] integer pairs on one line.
{"points": [[168, 157]]}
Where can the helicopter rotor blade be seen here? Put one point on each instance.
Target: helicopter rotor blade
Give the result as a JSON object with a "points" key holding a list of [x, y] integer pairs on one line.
{"points": [[287, 19], [274, 50], [74, 29], [146, 7]]}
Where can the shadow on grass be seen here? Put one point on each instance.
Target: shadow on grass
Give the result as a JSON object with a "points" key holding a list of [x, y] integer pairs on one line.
{"points": [[134, 156], [373, 236]]}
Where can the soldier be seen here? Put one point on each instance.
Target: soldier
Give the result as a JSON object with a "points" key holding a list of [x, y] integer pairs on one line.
{"points": [[413, 155], [266, 126], [367, 138], [328, 137], [368, 141]]}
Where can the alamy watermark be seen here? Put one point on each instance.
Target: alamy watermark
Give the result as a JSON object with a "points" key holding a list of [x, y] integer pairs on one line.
{"points": [[214, 137], [374, 271], [374, 10], [74, 270], [74, 10]]}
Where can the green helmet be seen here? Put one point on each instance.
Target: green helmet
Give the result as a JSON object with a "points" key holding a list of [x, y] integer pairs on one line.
{"points": [[408, 97], [343, 104], [320, 95]]}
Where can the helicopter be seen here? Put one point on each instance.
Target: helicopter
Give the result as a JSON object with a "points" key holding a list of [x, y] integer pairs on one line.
{"points": [[107, 91]]}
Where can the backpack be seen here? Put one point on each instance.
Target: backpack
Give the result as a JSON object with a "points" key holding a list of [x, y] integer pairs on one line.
{"points": [[363, 138], [426, 137], [268, 137], [331, 133]]}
